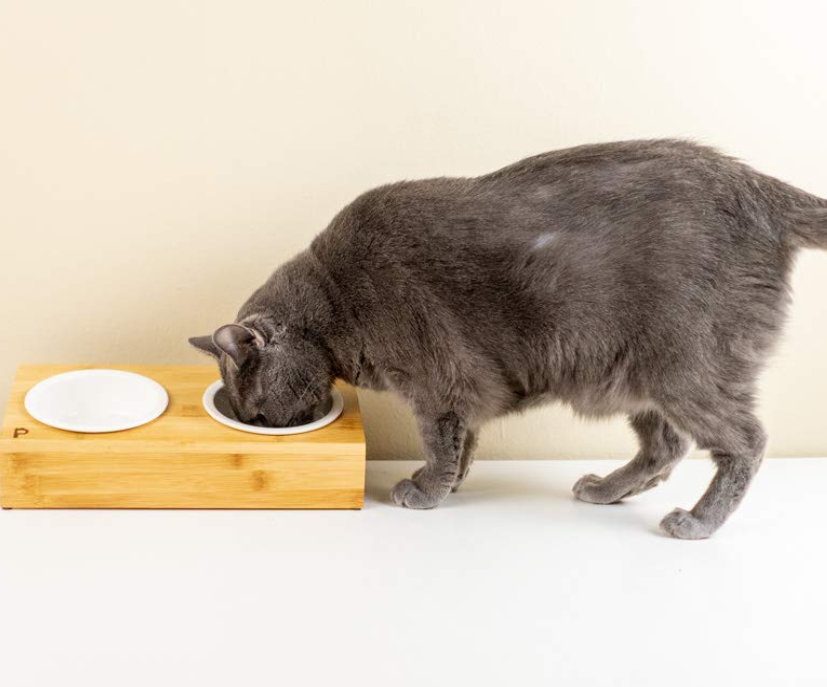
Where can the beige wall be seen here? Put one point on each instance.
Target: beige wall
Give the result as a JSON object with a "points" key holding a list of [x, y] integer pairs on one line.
{"points": [[158, 159]]}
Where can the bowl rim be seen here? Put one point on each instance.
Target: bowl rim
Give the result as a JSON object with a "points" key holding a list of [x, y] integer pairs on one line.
{"points": [[208, 401]]}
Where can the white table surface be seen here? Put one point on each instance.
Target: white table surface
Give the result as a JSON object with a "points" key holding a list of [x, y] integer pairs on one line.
{"points": [[510, 582]]}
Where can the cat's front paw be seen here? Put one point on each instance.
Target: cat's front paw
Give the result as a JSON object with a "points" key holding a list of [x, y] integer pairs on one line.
{"points": [[592, 489], [409, 495], [681, 524]]}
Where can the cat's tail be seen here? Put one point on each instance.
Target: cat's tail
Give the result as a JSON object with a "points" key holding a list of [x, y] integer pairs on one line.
{"points": [[807, 227]]}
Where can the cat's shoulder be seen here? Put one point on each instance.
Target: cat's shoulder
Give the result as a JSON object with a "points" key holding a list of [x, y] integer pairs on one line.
{"points": [[399, 204]]}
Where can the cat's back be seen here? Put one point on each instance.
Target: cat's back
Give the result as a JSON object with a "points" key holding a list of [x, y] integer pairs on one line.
{"points": [[602, 205], [504, 209], [637, 170], [666, 153]]}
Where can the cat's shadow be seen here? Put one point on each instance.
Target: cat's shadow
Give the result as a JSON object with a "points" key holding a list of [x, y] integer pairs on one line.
{"points": [[545, 495], [381, 478]]}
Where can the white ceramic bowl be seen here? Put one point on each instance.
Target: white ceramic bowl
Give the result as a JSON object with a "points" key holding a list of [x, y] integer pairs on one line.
{"points": [[322, 418], [94, 401]]}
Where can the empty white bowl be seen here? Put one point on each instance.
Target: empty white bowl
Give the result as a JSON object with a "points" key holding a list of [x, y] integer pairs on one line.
{"points": [[218, 408], [94, 401]]}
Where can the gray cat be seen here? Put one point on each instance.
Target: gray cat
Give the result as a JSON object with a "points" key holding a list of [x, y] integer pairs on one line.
{"points": [[644, 277]]}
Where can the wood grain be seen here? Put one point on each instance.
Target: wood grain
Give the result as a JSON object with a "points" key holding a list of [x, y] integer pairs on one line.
{"points": [[184, 459]]}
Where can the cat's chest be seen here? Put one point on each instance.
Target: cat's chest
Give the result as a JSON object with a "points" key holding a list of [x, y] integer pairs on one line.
{"points": [[370, 375]]}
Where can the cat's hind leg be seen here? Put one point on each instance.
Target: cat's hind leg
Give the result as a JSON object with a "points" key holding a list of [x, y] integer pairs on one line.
{"points": [[443, 440], [736, 442], [661, 447]]}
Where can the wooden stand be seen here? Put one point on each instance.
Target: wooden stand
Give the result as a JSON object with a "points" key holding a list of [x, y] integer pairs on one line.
{"points": [[184, 459]]}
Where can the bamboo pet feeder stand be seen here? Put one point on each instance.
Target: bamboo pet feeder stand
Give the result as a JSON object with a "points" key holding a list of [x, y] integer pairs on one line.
{"points": [[183, 459]]}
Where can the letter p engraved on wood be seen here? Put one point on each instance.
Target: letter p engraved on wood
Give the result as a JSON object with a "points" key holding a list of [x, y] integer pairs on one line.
{"points": [[20, 431]]}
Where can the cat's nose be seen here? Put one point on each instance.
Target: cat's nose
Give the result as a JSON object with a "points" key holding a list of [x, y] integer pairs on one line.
{"points": [[302, 419]]}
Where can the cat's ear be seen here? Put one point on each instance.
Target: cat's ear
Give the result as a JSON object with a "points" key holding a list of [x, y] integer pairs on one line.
{"points": [[237, 341], [205, 344]]}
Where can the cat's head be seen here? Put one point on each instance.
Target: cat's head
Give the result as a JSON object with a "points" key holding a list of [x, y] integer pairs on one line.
{"points": [[274, 376]]}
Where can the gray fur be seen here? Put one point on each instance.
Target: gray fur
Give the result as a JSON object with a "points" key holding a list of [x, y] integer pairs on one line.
{"points": [[644, 277]]}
